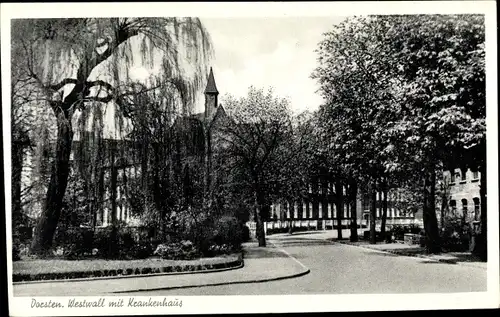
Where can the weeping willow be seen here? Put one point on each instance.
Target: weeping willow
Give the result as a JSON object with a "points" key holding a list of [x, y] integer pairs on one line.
{"points": [[81, 67]]}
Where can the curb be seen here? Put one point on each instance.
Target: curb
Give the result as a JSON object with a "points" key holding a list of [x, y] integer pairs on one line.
{"points": [[255, 281], [128, 273]]}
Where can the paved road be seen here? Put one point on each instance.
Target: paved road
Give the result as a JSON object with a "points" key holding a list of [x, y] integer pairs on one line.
{"points": [[342, 269]]}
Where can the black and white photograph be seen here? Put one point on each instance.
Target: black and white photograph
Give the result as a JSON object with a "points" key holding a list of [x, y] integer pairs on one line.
{"points": [[160, 159]]}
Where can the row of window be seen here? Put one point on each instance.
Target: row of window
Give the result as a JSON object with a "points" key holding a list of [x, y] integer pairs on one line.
{"points": [[459, 175], [477, 207]]}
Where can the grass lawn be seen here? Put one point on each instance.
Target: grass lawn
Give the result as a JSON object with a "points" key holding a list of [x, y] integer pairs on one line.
{"points": [[29, 266]]}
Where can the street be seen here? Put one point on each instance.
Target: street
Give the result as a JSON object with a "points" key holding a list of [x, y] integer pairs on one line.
{"points": [[342, 269]]}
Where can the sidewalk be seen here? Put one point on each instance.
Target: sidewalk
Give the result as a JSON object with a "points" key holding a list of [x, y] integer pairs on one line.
{"points": [[257, 262], [461, 258]]}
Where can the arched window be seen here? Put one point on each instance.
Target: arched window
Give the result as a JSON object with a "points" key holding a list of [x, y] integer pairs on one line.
{"points": [[477, 208], [453, 206], [464, 208]]}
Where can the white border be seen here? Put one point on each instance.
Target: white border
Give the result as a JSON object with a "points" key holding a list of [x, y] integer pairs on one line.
{"points": [[257, 304]]}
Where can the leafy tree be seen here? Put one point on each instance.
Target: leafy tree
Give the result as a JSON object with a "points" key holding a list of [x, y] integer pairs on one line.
{"points": [[441, 61], [407, 93], [254, 136], [77, 62], [358, 94]]}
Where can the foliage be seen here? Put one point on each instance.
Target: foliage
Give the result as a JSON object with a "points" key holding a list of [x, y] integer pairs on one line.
{"points": [[252, 141], [76, 242], [398, 231], [403, 93], [183, 250], [16, 253], [77, 65], [227, 230], [455, 234]]}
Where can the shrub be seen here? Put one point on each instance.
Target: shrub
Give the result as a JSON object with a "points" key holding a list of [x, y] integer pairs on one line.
{"points": [[141, 250], [414, 228], [378, 235], [183, 250], [398, 232], [74, 242], [16, 254], [222, 236], [455, 235]]}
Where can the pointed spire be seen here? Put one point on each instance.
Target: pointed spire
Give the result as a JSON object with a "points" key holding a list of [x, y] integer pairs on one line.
{"points": [[211, 88]]}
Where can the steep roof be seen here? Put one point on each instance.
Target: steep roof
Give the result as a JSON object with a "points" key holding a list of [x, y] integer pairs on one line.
{"points": [[211, 87]]}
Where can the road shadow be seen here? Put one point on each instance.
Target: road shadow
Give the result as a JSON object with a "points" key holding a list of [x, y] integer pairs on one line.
{"points": [[300, 233], [386, 254], [465, 257], [436, 262], [303, 242]]}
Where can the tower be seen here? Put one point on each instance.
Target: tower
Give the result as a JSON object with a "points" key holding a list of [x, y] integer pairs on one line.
{"points": [[211, 102], [211, 96]]}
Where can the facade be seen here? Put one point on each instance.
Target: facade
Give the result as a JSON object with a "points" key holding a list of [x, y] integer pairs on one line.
{"points": [[318, 211], [462, 190]]}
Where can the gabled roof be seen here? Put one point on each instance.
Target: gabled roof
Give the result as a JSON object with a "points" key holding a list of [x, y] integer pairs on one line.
{"points": [[211, 87]]}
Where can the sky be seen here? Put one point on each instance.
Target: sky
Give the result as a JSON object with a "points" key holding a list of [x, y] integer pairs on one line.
{"points": [[268, 52], [276, 52]]}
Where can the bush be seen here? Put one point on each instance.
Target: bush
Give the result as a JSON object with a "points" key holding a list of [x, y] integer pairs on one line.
{"points": [[141, 250], [378, 235], [183, 250], [122, 246], [16, 254], [228, 230], [74, 242], [399, 231], [455, 235]]}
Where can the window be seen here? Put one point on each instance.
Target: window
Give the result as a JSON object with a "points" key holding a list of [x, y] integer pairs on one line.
{"points": [[453, 205], [464, 208], [477, 208], [463, 176], [452, 177], [475, 175], [366, 202]]}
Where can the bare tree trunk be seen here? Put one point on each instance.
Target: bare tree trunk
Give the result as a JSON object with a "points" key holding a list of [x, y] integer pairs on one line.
{"points": [[261, 236], [17, 167], [339, 202], [373, 210], [384, 210], [432, 238], [47, 223], [353, 188], [114, 225], [481, 246]]}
